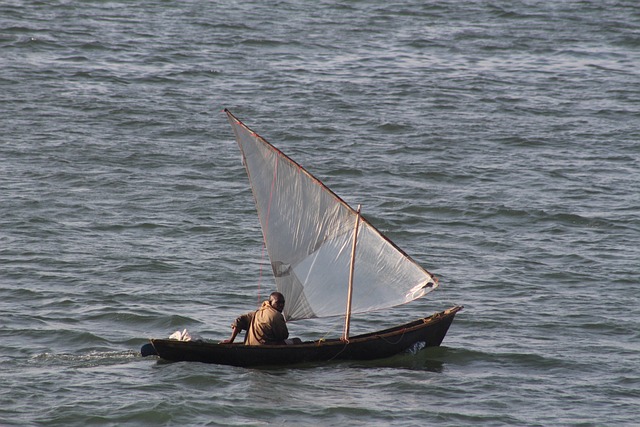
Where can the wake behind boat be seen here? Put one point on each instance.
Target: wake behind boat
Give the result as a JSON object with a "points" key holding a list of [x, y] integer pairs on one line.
{"points": [[325, 256]]}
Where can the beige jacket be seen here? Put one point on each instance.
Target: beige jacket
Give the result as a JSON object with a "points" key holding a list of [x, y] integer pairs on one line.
{"points": [[264, 326]]}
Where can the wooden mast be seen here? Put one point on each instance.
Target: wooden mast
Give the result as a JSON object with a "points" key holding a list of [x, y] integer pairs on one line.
{"points": [[347, 317]]}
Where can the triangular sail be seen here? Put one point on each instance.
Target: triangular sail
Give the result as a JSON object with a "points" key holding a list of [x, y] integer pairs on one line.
{"points": [[308, 232]]}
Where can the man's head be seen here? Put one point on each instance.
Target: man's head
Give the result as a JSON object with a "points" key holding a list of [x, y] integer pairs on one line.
{"points": [[276, 299]]}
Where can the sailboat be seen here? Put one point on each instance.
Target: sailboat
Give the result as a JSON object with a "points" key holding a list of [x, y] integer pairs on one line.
{"points": [[327, 261]]}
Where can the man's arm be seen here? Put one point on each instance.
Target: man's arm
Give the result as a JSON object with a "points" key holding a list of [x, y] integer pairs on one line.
{"points": [[234, 334], [240, 324]]}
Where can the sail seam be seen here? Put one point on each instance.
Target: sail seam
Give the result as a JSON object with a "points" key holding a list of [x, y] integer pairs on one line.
{"points": [[266, 227]]}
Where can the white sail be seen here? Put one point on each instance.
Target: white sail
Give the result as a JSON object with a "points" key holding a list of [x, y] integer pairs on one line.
{"points": [[308, 232]]}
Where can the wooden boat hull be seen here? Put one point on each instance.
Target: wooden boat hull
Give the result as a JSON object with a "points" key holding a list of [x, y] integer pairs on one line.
{"points": [[377, 345]]}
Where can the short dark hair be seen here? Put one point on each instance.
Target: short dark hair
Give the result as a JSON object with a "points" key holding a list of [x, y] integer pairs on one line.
{"points": [[275, 297]]}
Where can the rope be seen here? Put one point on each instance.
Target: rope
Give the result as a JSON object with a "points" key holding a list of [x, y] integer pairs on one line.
{"points": [[324, 337], [399, 339]]}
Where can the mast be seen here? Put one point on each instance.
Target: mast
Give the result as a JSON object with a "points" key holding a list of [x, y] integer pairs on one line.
{"points": [[347, 317]]}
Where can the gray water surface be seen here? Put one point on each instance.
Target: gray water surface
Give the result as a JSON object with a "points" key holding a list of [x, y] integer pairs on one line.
{"points": [[495, 142]]}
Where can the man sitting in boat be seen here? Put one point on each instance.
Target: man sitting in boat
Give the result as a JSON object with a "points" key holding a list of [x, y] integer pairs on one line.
{"points": [[264, 326]]}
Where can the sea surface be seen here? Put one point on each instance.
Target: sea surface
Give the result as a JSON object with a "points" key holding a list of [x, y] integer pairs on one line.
{"points": [[497, 143]]}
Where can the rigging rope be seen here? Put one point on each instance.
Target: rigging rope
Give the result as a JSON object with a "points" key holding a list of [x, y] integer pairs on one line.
{"points": [[333, 328]]}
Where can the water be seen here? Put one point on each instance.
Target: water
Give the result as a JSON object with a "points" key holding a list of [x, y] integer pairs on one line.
{"points": [[495, 142]]}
